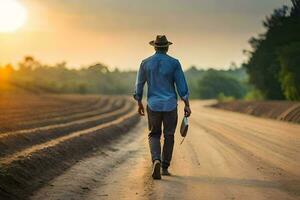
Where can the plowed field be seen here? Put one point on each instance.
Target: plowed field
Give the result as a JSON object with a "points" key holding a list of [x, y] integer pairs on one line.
{"points": [[42, 135]]}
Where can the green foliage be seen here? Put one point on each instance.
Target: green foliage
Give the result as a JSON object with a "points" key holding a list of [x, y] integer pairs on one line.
{"points": [[254, 94], [265, 61], [213, 83], [97, 79], [194, 75], [223, 98], [289, 58]]}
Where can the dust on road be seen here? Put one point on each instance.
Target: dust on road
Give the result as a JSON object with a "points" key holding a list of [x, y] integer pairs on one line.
{"points": [[225, 156]]}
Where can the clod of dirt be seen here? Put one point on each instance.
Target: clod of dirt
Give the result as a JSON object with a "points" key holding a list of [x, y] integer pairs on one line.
{"points": [[85, 188]]}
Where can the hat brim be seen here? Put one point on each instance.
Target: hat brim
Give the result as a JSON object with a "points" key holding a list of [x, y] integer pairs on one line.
{"points": [[152, 43]]}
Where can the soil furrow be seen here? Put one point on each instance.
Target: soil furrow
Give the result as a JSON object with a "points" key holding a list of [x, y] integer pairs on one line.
{"points": [[52, 109], [20, 140], [61, 118], [26, 171]]}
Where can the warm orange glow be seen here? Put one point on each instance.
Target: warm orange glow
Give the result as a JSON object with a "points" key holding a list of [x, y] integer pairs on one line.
{"points": [[12, 15], [5, 73], [204, 33]]}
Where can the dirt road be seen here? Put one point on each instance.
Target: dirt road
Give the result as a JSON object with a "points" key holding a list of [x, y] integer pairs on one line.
{"points": [[225, 156]]}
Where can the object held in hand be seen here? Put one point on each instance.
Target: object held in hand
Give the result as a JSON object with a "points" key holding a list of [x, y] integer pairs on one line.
{"points": [[184, 127]]}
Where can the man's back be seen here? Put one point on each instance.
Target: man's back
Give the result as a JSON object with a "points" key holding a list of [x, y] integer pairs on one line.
{"points": [[162, 72]]}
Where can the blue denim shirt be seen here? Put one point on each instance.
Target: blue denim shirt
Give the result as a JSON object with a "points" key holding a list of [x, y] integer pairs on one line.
{"points": [[162, 73]]}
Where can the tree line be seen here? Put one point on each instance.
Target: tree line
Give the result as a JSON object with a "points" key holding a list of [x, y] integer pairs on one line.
{"points": [[274, 61], [31, 75], [212, 83], [96, 79]]}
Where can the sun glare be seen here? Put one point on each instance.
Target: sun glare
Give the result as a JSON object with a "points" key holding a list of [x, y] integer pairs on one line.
{"points": [[13, 15]]}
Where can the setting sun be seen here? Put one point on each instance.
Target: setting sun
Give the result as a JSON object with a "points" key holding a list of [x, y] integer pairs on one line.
{"points": [[12, 15]]}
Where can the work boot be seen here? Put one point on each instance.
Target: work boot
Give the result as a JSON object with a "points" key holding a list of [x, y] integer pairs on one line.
{"points": [[165, 172], [156, 170]]}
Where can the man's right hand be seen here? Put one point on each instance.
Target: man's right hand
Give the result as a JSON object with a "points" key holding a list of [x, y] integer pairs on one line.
{"points": [[141, 109]]}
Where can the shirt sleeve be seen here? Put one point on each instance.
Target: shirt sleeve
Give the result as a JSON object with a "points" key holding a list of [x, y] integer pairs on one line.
{"points": [[139, 84], [181, 84]]}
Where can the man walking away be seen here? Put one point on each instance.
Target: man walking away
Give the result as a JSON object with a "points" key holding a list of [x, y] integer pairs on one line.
{"points": [[162, 73]]}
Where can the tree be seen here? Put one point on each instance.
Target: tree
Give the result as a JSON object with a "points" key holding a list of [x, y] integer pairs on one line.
{"points": [[295, 11], [263, 66], [290, 72], [214, 83]]}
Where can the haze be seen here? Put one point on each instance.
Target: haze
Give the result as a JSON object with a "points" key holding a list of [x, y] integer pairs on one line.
{"points": [[205, 33]]}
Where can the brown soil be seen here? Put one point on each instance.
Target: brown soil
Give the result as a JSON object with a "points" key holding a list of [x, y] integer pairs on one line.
{"points": [[280, 110], [226, 156], [43, 135]]}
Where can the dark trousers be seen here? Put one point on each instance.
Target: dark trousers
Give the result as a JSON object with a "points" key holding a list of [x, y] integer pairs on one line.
{"points": [[155, 122]]}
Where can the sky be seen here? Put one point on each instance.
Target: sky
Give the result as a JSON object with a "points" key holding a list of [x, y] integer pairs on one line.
{"points": [[205, 33]]}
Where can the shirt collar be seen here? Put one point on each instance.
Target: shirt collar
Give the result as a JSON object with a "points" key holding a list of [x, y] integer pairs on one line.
{"points": [[160, 52]]}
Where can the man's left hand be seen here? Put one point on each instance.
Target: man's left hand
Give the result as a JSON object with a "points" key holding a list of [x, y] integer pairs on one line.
{"points": [[187, 111]]}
